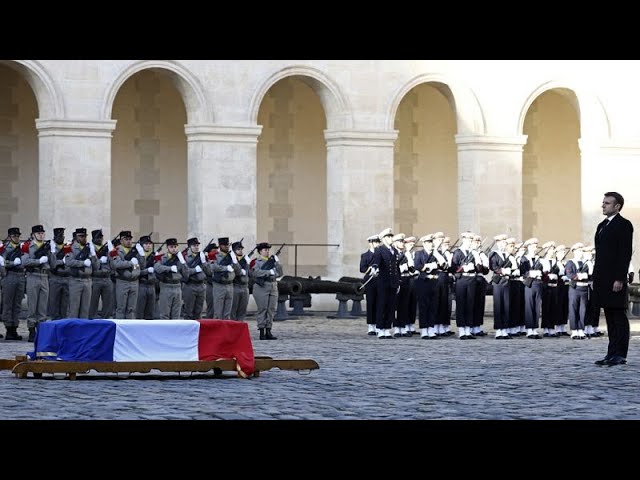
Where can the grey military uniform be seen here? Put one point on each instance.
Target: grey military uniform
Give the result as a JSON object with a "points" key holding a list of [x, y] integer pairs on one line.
{"points": [[240, 290], [193, 287], [170, 302], [222, 285], [101, 284], [127, 275], [265, 295], [146, 304], [37, 264], [13, 286], [81, 265], [59, 285]]}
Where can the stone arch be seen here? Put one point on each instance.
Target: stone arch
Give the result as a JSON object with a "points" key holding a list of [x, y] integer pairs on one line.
{"points": [[594, 121], [50, 104], [335, 104], [192, 91], [469, 114]]}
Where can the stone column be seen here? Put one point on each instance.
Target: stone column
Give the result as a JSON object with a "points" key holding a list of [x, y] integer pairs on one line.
{"points": [[490, 184], [75, 174], [359, 194], [222, 181]]}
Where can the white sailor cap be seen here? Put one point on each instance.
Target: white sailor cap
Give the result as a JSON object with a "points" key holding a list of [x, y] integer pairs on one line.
{"points": [[385, 233], [373, 238], [577, 246], [426, 239], [531, 241], [398, 238], [477, 238], [410, 239], [502, 236], [549, 244], [467, 235], [511, 240], [438, 235], [589, 249], [561, 247]]}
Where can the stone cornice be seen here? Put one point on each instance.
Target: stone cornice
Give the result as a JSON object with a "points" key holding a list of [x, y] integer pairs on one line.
{"points": [[622, 146], [223, 133], [75, 128], [360, 138], [490, 143]]}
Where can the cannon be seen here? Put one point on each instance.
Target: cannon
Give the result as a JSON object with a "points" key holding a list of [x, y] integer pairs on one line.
{"points": [[634, 298], [356, 309]]}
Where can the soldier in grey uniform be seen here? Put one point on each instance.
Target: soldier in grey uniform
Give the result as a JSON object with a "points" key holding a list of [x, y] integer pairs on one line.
{"points": [[13, 284], [81, 262], [126, 263], [194, 272], [211, 251], [59, 278], [101, 284], [37, 262], [168, 269], [240, 282], [223, 276], [265, 289], [147, 282]]}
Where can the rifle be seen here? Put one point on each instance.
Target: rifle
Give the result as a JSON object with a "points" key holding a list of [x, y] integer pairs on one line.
{"points": [[453, 247], [488, 249], [43, 249], [209, 247], [271, 262]]}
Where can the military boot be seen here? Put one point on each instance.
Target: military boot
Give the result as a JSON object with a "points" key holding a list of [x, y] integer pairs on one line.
{"points": [[32, 334], [12, 334], [268, 335], [262, 337]]}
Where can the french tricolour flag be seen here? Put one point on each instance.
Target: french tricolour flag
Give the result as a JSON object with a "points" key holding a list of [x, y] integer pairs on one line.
{"points": [[144, 340]]}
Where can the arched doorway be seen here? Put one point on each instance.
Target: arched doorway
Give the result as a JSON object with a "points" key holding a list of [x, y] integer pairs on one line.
{"points": [[149, 158], [18, 153], [425, 162], [551, 177], [292, 174]]}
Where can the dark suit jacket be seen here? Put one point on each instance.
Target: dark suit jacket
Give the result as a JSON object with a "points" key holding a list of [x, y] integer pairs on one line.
{"points": [[388, 265], [613, 254]]}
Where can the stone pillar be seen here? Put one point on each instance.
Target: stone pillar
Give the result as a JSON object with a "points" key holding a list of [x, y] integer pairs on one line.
{"points": [[490, 184], [75, 174], [222, 182], [359, 194]]}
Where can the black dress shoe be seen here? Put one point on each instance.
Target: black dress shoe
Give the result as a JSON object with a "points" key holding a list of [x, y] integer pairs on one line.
{"points": [[602, 362], [616, 361]]}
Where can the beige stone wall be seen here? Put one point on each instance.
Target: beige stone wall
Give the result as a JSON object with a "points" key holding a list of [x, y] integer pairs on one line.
{"points": [[425, 164], [18, 154], [149, 159], [551, 180], [292, 175]]}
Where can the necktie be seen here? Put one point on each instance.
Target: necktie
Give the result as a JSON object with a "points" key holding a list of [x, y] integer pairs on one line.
{"points": [[603, 225]]}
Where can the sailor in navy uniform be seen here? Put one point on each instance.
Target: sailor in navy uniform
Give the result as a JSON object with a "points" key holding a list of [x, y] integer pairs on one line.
{"points": [[500, 265], [575, 270], [562, 291], [463, 263], [385, 264], [371, 288]]}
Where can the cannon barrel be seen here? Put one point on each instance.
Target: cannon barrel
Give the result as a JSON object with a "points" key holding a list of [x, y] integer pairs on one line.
{"points": [[351, 280], [300, 285]]}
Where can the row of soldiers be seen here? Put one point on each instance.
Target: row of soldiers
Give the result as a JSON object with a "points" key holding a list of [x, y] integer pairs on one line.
{"points": [[133, 281], [532, 287]]}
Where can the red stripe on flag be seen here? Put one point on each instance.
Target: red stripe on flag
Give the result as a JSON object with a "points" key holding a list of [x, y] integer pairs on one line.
{"points": [[222, 339]]}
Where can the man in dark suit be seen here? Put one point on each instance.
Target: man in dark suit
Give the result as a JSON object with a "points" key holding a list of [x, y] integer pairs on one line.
{"points": [[613, 241]]}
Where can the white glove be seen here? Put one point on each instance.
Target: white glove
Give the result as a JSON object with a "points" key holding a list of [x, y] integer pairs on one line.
{"points": [[374, 271], [432, 265], [229, 268], [469, 267], [203, 259], [272, 271], [87, 263], [535, 273], [134, 260], [583, 276], [553, 276], [1, 261], [140, 249], [92, 249], [506, 271], [52, 244], [276, 258], [150, 270], [103, 259], [516, 272], [181, 258], [404, 268], [17, 261], [198, 269], [43, 259], [174, 268], [244, 272]]}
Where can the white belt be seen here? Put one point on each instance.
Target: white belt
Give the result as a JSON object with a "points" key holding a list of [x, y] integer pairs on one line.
{"points": [[582, 284], [432, 277], [468, 274]]}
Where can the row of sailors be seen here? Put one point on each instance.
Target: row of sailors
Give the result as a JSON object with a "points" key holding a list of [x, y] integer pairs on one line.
{"points": [[69, 281], [529, 290]]}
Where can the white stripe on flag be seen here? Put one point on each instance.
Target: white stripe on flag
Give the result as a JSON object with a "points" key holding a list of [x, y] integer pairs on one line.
{"points": [[156, 340]]}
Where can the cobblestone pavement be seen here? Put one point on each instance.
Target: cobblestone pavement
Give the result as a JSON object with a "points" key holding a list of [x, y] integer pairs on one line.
{"points": [[360, 377]]}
